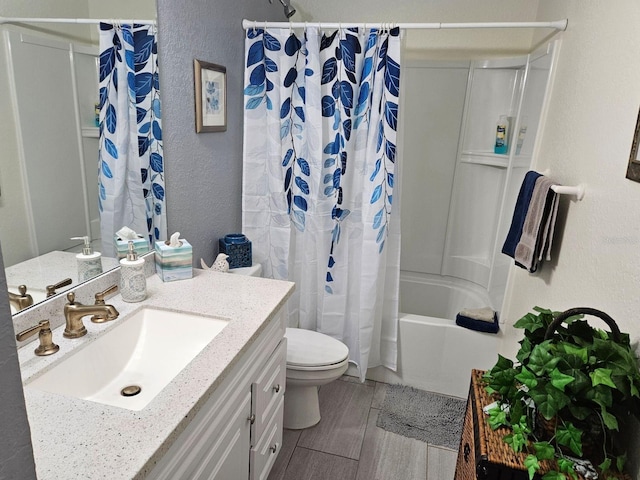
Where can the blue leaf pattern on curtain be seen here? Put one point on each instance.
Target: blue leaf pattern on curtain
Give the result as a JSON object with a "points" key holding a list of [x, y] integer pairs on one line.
{"points": [[131, 158], [321, 115]]}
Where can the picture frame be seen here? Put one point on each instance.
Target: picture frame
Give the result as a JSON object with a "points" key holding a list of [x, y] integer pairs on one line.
{"points": [[633, 167], [210, 96]]}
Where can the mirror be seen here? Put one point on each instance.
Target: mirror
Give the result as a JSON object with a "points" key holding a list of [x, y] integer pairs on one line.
{"points": [[48, 163]]}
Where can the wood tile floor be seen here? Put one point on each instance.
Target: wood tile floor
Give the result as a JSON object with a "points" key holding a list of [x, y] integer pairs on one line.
{"points": [[347, 444]]}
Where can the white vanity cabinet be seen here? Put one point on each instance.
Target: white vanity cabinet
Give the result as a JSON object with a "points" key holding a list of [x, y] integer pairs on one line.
{"points": [[237, 433]]}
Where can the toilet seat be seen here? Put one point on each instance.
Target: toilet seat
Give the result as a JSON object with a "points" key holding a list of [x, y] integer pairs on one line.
{"points": [[309, 350]]}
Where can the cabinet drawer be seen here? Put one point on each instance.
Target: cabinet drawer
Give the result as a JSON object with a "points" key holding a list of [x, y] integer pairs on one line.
{"points": [[268, 390], [264, 454]]}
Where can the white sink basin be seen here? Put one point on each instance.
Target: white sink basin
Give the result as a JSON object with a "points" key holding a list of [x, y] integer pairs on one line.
{"points": [[147, 350]]}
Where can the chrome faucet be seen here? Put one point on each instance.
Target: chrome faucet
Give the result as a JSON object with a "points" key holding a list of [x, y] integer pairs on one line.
{"points": [[21, 300], [74, 311]]}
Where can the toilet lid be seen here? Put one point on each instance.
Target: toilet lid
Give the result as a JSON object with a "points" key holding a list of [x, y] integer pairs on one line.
{"points": [[306, 348]]}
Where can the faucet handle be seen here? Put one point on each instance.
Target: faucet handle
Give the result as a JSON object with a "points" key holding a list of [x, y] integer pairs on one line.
{"points": [[51, 289], [100, 295], [43, 328], [71, 298]]}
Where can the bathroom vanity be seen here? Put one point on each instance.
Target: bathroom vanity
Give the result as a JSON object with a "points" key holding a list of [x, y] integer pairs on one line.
{"points": [[219, 417]]}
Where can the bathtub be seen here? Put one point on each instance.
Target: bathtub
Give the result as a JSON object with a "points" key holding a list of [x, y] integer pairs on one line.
{"points": [[435, 354]]}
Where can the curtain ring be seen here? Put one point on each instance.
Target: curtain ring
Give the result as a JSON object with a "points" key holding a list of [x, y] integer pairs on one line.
{"points": [[255, 23]]}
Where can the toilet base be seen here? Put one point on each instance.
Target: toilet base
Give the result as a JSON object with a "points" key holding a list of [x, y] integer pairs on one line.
{"points": [[301, 407]]}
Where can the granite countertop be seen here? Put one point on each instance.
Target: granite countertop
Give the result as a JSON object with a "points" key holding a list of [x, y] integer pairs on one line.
{"points": [[48, 269], [80, 439]]}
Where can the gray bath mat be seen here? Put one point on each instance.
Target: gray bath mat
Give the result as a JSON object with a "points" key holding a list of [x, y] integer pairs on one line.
{"points": [[429, 417]]}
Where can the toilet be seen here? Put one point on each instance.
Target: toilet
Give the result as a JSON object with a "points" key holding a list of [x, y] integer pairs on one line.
{"points": [[313, 359]]}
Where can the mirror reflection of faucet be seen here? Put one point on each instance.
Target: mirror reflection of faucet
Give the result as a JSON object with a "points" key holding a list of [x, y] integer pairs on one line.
{"points": [[51, 289], [20, 300], [74, 311]]}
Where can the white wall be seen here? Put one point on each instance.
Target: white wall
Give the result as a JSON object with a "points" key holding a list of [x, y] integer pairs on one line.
{"points": [[122, 9], [435, 43], [586, 139]]}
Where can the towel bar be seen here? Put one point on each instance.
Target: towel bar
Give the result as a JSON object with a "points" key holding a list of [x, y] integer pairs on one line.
{"points": [[577, 191]]}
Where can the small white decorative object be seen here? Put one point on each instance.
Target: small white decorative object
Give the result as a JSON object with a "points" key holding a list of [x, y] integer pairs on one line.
{"points": [[220, 264]]}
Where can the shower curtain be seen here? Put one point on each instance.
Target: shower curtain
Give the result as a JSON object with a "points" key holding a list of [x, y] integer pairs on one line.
{"points": [[320, 121], [130, 156]]}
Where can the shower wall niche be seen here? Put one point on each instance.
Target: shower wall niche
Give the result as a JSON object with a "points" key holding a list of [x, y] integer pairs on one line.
{"points": [[457, 194]]}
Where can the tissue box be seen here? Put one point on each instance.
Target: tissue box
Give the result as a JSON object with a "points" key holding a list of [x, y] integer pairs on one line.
{"points": [[122, 246], [238, 247], [174, 263]]}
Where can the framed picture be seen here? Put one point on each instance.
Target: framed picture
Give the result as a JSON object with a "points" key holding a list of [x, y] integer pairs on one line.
{"points": [[211, 97]]}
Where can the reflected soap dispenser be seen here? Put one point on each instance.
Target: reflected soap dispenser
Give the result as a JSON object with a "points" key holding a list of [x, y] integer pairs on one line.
{"points": [[89, 262], [133, 281]]}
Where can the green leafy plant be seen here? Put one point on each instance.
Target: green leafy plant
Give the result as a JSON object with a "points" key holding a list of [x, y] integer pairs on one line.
{"points": [[567, 395]]}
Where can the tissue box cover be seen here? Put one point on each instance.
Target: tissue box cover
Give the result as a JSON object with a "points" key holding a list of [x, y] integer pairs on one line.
{"points": [[238, 247], [174, 263], [122, 246]]}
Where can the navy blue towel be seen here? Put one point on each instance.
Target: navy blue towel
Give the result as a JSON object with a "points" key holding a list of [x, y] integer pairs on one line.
{"points": [[520, 213], [478, 325]]}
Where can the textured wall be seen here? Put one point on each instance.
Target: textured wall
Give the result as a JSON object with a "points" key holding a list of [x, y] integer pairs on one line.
{"points": [[204, 171], [586, 139], [436, 43], [16, 456]]}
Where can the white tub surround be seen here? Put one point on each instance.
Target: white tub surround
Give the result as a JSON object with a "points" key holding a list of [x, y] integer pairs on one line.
{"points": [[81, 439], [435, 354]]}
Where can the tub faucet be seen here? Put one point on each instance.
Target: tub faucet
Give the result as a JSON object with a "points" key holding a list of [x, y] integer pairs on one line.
{"points": [[74, 311], [20, 300]]}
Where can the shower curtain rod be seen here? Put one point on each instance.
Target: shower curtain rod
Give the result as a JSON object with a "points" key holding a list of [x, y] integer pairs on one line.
{"points": [[89, 21], [557, 25]]}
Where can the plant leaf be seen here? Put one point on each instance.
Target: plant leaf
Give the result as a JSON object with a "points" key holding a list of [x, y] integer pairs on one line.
{"points": [[544, 450], [567, 466], [542, 360], [549, 400], [497, 418], [605, 465], [620, 461], [601, 376], [532, 464], [569, 436], [580, 352], [609, 420], [526, 377], [560, 380], [554, 475]]}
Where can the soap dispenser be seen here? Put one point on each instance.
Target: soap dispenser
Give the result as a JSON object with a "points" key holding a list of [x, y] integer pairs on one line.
{"points": [[89, 262], [133, 282]]}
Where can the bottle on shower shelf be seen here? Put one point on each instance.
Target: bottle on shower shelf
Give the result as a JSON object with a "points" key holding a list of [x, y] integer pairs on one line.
{"points": [[502, 135]]}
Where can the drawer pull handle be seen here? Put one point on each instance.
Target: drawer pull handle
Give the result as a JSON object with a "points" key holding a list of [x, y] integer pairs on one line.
{"points": [[252, 418], [274, 448], [467, 451], [276, 388]]}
